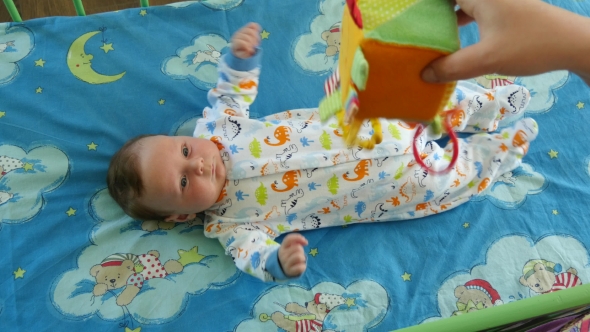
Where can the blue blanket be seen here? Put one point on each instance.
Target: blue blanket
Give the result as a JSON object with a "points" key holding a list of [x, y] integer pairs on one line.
{"points": [[74, 89]]}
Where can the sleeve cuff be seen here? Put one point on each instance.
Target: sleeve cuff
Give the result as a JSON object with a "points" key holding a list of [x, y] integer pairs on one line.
{"points": [[274, 267], [239, 64]]}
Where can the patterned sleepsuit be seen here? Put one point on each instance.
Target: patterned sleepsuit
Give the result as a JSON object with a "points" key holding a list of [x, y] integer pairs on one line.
{"points": [[290, 172]]}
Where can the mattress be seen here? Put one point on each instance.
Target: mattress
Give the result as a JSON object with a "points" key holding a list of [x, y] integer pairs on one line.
{"points": [[138, 71]]}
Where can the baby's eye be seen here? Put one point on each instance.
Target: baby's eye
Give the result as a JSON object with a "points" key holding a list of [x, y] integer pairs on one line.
{"points": [[183, 182], [185, 151]]}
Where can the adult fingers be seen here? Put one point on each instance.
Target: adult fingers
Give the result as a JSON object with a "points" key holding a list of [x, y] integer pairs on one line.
{"points": [[463, 18], [467, 6], [468, 62]]}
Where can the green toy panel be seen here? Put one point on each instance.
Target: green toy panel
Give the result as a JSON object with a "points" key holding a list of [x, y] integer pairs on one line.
{"points": [[438, 31]]}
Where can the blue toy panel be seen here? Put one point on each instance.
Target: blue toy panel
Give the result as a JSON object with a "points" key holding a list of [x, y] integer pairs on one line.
{"points": [[74, 89]]}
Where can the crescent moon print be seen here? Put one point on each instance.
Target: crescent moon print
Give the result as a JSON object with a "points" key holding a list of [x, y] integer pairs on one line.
{"points": [[80, 63]]}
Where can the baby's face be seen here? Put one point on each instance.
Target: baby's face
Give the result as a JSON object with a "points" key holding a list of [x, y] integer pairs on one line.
{"points": [[182, 175]]}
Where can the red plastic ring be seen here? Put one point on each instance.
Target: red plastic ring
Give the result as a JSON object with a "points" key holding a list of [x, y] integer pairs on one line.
{"points": [[454, 140]]}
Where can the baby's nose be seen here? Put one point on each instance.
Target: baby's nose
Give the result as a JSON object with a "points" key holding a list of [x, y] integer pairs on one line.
{"points": [[197, 165]]}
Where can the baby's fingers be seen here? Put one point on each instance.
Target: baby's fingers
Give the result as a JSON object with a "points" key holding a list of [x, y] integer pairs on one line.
{"points": [[295, 262], [294, 239]]}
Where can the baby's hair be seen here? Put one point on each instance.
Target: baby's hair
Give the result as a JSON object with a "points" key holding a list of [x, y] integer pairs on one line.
{"points": [[125, 183]]}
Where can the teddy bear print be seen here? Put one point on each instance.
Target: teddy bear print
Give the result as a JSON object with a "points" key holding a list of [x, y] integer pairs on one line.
{"points": [[493, 81], [332, 39], [309, 317], [8, 164], [130, 272], [542, 276], [155, 225], [476, 294]]}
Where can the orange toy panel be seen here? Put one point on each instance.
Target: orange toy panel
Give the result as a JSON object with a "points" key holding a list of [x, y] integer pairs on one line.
{"points": [[386, 93]]}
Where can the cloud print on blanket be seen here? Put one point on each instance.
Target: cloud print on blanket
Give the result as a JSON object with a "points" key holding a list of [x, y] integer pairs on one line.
{"points": [[213, 4], [16, 42], [317, 51], [505, 261], [118, 237], [511, 189], [25, 177], [198, 61], [326, 307]]}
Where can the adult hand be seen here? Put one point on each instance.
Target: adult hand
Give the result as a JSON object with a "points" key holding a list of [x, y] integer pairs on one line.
{"points": [[517, 37]]}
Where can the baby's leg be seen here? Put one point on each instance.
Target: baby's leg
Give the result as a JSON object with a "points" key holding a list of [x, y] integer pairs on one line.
{"points": [[483, 158], [404, 190]]}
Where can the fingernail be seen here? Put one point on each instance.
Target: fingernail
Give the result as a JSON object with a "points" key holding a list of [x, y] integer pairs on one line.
{"points": [[429, 76]]}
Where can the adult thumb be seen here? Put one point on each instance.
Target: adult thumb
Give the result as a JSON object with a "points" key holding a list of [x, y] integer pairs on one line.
{"points": [[466, 63]]}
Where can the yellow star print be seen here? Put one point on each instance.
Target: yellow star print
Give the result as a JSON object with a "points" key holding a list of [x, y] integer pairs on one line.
{"points": [[28, 167], [314, 252], [552, 154], [555, 212], [39, 63], [92, 146], [350, 302], [191, 256], [406, 276], [20, 273], [2, 114], [71, 212], [580, 105], [39, 90], [143, 12], [161, 101], [135, 330], [107, 47], [264, 34], [466, 225]]}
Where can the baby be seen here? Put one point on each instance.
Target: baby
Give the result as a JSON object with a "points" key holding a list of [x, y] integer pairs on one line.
{"points": [[256, 179]]}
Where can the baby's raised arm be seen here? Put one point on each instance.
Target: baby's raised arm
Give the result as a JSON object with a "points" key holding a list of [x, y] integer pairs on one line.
{"points": [[517, 38], [237, 85]]}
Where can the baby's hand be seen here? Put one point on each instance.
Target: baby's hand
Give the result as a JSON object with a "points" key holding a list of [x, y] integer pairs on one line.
{"points": [[291, 255], [245, 41]]}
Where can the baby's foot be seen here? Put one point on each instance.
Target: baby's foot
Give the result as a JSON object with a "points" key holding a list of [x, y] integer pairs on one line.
{"points": [[478, 109], [520, 135], [513, 99]]}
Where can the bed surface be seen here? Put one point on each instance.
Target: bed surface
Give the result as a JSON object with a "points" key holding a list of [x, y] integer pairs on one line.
{"points": [[59, 126]]}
